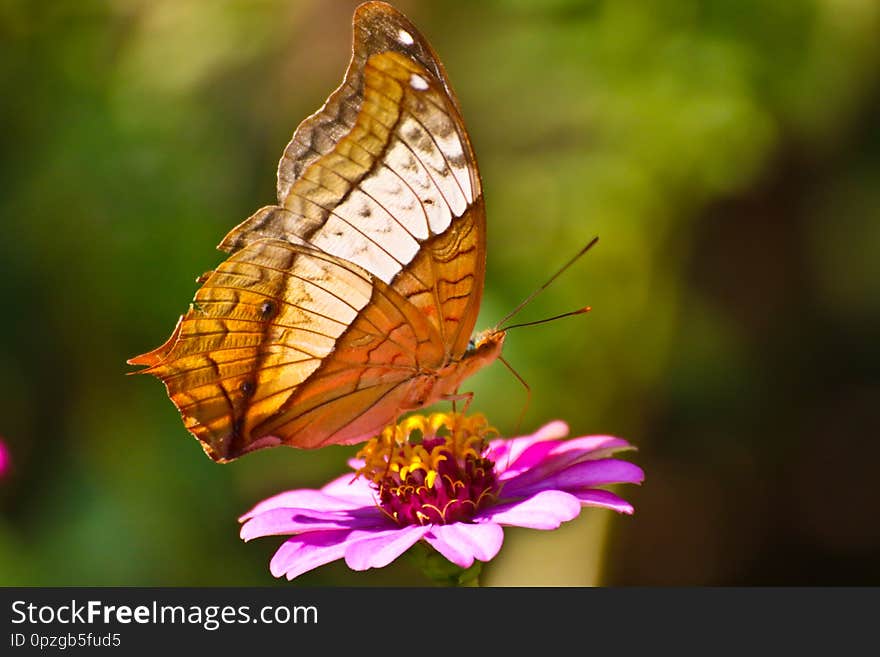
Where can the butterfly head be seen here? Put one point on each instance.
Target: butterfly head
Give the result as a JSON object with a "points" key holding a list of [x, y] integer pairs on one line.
{"points": [[486, 345]]}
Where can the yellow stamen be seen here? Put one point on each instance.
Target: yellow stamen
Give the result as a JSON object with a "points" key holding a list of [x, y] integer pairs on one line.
{"points": [[393, 452]]}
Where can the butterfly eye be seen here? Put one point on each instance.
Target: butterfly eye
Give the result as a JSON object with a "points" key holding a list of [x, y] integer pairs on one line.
{"points": [[472, 345]]}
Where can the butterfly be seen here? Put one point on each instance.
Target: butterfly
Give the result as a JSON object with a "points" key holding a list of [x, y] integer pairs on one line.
{"points": [[352, 300]]}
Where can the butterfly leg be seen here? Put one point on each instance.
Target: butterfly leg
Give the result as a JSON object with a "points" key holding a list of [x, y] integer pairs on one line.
{"points": [[466, 397]]}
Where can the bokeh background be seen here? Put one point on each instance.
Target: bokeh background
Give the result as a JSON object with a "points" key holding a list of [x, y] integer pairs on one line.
{"points": [[727, 153]]}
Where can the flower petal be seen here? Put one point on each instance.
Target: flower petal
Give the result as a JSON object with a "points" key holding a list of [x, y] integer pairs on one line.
{"points": [[305, 498], [577, 477], [275, 522], [603, 498], [589, 446], [506, 452], [380, 548], [545, 510], [461, 542], [306, 552], [546, 458], [355, 463], [351, 487]]}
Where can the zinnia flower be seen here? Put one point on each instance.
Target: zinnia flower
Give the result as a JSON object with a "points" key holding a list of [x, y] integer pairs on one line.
{"points": [[454, 489]]}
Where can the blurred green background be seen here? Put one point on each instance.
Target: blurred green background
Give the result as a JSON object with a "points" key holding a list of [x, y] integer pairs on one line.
{"points": [[727, 153]]}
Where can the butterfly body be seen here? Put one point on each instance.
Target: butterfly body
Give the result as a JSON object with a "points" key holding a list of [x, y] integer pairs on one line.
{"points": [[354, 298]]}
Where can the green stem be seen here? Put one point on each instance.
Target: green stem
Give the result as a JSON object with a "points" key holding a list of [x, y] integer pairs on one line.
{"points": [[441, 571]]}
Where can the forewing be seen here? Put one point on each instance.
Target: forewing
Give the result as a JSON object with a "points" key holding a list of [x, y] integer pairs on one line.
{"points": [[384, 176]]}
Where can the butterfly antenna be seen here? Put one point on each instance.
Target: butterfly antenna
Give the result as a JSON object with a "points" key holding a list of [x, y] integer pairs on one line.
{"points": [[579, 311], [543, 287]]}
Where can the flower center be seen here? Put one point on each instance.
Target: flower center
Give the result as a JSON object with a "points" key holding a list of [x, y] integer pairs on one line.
{"points": [[441, 478]]}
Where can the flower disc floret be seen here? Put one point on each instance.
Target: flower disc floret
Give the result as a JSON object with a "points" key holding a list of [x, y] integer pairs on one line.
{"points": [[431, 470]]}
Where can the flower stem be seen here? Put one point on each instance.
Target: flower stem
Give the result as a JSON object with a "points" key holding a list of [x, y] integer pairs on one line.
{"points": [[441, 571]]}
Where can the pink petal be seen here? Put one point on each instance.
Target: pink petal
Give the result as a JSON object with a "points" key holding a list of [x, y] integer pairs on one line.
{"points": [[306, 552], [577, 477], [545, 510], [603, 498], [534, 453], [537, 451], [380, 548], [275, 522], [306, 498], [350, 487], [589, 446], [506, 452], [543, 459], [462, 542], [5, 459]]}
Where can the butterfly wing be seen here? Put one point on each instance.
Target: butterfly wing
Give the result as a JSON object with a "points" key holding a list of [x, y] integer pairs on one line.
{"points": [[265, 323], [384, 176], [367, 273]]}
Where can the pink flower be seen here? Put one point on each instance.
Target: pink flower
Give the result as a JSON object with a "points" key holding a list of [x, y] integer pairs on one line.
{"points": [[455, 490], [5, 459]]}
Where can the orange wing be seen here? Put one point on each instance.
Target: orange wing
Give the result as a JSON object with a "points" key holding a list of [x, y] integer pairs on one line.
{"points": [[336, 303], [384, 167]]}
